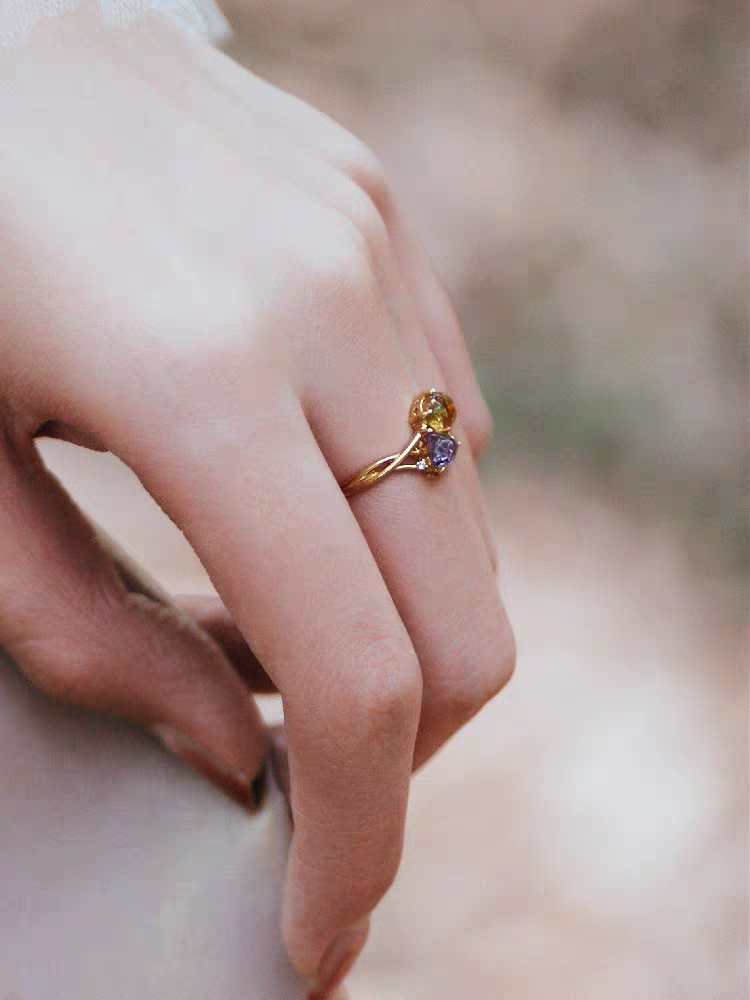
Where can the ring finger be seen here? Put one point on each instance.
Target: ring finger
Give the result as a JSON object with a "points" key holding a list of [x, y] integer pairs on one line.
{"points": [[426, 540]]}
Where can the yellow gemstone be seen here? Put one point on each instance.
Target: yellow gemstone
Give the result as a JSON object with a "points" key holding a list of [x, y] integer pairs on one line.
{"points": [[436, 416], [433, 409]]}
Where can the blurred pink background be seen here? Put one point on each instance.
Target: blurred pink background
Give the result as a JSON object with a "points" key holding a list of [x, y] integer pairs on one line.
{"points": [[578, 172]]}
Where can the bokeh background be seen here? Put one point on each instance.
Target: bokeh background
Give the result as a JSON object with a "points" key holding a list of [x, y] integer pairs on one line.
{"points": [[578, 172]]}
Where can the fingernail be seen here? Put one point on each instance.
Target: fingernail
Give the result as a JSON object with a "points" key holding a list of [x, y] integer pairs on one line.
{"points": [[237, 785], [339, 959], [258, 789]]}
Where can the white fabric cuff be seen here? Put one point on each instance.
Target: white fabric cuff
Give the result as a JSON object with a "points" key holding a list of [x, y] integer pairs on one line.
{"points": [[200, 17]]}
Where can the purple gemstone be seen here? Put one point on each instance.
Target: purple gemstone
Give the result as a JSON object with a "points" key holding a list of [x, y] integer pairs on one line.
{"points": [[441, 448]]}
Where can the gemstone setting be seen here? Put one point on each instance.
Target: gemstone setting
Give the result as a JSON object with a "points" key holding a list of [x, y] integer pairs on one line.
{"points": [[441, 449], [432, 410], [430, 451]]}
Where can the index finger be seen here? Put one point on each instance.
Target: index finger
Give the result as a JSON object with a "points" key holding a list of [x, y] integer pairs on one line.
{"points": [[289, 560]]}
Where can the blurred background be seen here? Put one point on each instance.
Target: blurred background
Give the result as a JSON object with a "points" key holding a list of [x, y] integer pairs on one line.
{"points": [[578, 171]]}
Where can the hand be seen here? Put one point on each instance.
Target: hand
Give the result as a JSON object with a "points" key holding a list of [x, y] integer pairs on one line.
{"points": [[210, 279]]}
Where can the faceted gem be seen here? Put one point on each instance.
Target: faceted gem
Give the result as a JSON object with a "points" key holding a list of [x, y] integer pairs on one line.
{"points": [[441, 448], [433, 409], [436, 414]]}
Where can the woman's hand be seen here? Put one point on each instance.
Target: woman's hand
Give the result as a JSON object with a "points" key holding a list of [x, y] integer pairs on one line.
{"points": [[210, 279]]}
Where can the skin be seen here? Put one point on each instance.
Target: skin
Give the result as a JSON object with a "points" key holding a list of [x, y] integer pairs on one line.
{"points": [[212, 280]]}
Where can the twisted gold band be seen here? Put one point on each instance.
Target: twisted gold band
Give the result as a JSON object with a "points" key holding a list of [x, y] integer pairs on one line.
{"points": [[430, 451]]}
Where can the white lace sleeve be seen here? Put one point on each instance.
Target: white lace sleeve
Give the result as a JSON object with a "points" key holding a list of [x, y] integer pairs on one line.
{"points": [[202, 17]]}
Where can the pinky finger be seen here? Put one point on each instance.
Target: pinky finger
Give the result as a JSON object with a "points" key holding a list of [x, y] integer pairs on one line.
{"points": [[443, 332]]}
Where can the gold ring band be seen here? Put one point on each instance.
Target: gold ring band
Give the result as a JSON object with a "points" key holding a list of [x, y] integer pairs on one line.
{"points": [[430, 451]]}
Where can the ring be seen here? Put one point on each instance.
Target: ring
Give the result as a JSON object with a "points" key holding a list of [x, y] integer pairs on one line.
{"points": [[430, 451]]}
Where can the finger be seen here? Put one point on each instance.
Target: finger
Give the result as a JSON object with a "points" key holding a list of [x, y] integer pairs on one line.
{"points": [[424, 360], [420, 309], [438, 345], [339, 960], [417, 303], [85, 632], [211, 615], [442, 330], [434, 560], [278, 538], [410, 297], [347, 947], [432, 554]]}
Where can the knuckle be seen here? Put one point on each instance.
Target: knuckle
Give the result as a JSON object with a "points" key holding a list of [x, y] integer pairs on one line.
{"points": [[78, 659], [363, 167], [64, 675], [391, 685], [368, 220], [491, 670], [384, 699], [338, 267]]}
